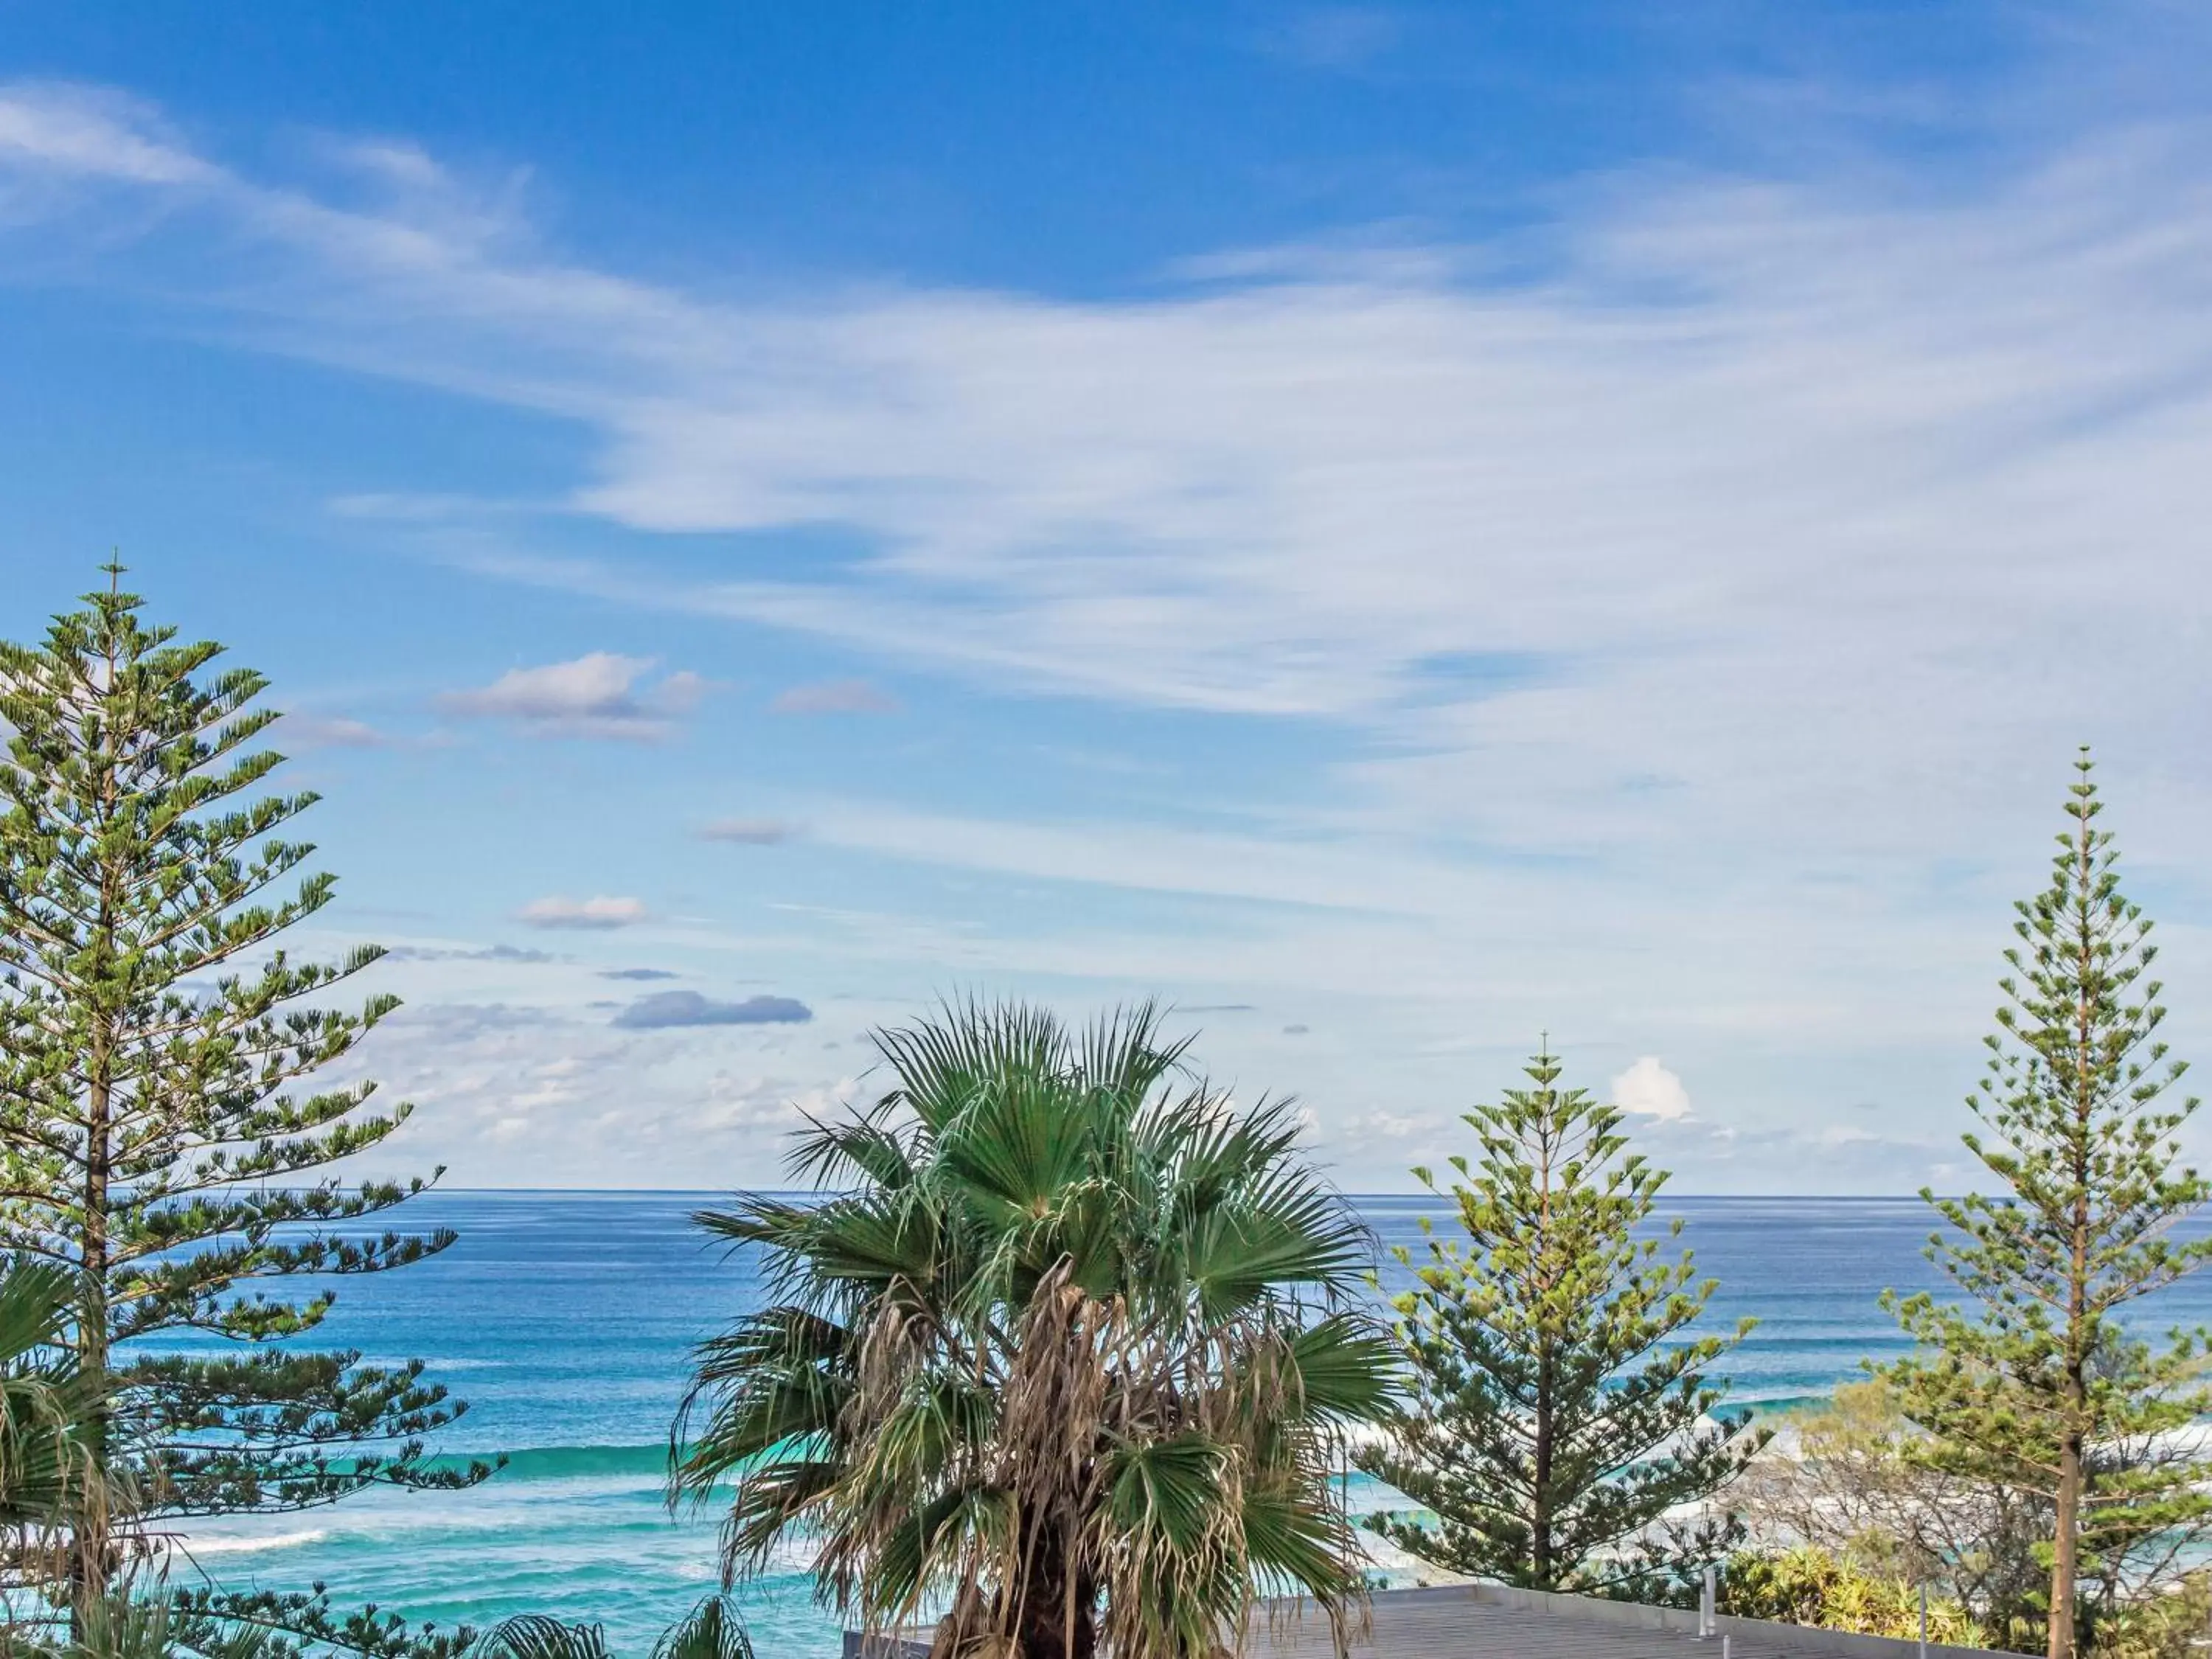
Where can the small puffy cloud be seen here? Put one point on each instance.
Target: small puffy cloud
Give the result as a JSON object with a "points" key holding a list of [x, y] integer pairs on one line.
{"points": [[600, 911], [835, 697], [1650, 1090], [1295, 1030], [750, 832], [1390, 1126], [664, 1009], [637, 973], [599, 694]]}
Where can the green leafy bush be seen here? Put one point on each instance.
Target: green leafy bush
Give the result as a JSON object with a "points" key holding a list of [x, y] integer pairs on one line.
{"points": [[1806, 1586]]}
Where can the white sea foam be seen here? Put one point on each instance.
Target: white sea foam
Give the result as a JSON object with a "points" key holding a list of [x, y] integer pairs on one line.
{"points": [[281, 1540]]}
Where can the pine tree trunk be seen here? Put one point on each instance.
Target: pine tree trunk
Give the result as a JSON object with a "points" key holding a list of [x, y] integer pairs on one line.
{"points": [[91, 1540], [2064, 1556], [92, 1535], [1539, 1532], [2067, 1520], [2066, 1523]]}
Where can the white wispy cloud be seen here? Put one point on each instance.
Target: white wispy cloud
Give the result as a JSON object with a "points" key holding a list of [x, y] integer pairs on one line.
{"points": [[1731, 464], [1816, 516], [835, 697], [94, 133], [596, 695], [600, 911], [1792, 494]]}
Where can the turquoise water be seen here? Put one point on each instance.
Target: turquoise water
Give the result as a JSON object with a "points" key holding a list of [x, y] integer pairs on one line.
{"points": [[564, 1319]]}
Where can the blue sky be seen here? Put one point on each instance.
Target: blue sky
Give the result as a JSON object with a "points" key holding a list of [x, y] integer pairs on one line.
{"points": [[1394, 529]]}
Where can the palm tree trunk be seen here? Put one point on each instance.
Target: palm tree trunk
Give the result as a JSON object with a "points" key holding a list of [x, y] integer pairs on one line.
{"points": [[1057, 1621]]}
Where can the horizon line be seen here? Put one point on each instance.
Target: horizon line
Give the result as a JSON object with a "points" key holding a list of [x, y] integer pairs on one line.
{"points": [[715, 1192]]}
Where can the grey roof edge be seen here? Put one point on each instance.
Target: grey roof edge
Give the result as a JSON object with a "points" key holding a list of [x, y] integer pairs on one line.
{"points": [[1807, 1639]]}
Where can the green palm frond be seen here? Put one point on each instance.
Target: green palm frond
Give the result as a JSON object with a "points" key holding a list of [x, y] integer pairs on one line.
{"points": [[50, 1415], [829, 1154], [540, 1636], [1341, 1369], [1013, 1149], [712, 1629], [1165, 1491], [938, 1066], [1295, 1543], [125, 1626]]}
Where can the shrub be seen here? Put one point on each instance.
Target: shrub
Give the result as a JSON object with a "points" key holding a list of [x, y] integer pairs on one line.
{"points": [[1812, 1587]]}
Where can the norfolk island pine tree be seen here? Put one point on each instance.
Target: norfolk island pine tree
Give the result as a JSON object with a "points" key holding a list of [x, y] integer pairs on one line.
{"points": [[2027, 1380], [153, 1031], [1561, 1406]]}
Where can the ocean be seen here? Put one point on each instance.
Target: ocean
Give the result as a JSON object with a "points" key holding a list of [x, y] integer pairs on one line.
{"points": [[565, 1318]]}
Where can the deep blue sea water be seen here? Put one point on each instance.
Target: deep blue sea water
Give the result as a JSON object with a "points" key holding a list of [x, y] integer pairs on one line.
{"points": [[564, 1319]]}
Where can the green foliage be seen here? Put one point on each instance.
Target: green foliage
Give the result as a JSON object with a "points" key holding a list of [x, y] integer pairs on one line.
{"points": [[2169, 1622], [299, 1625], [1859, 1483], [1070, 1349], [2027, 1382], [48, 1415], [134, 1628], [1813, 1586], [203, 1625], [712, 1629], [154, 1141], [1561, 1407]]}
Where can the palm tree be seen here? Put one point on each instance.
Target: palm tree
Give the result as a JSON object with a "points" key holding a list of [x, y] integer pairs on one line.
{"points": [[125, 1626], [712, 1629], [1066, 1350], [50, 1417]]}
